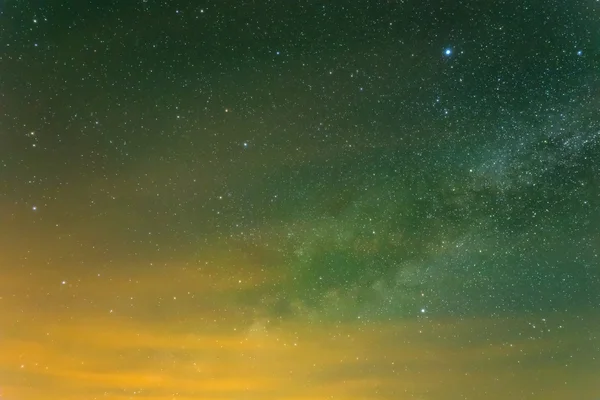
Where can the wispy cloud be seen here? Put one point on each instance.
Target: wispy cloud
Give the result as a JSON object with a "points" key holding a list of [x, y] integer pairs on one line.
{"points": [[103, 357]]}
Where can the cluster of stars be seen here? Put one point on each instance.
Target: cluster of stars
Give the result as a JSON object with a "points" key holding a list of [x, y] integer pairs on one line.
{"points": [[297, 169]]}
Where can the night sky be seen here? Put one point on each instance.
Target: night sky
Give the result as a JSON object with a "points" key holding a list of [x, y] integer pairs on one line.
{"points": [[299, 200]]}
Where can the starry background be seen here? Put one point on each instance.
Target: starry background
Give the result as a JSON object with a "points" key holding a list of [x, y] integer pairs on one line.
{"points": [[393, 199]]}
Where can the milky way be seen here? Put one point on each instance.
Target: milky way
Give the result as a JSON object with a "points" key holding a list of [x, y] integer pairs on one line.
{"points": [[351, 200]]}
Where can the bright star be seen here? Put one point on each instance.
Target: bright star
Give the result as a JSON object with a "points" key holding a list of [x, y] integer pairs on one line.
{"points": [[448, 52], [579, 52]]}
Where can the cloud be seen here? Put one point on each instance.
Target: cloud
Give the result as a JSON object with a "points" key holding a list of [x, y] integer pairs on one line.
{"points": [[385, 360]]}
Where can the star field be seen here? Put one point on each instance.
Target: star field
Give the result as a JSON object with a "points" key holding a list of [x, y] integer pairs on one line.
{"points": [[367, 200]]}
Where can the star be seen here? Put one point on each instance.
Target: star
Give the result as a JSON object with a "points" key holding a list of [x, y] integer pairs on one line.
{"points": [[237, 193]]}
